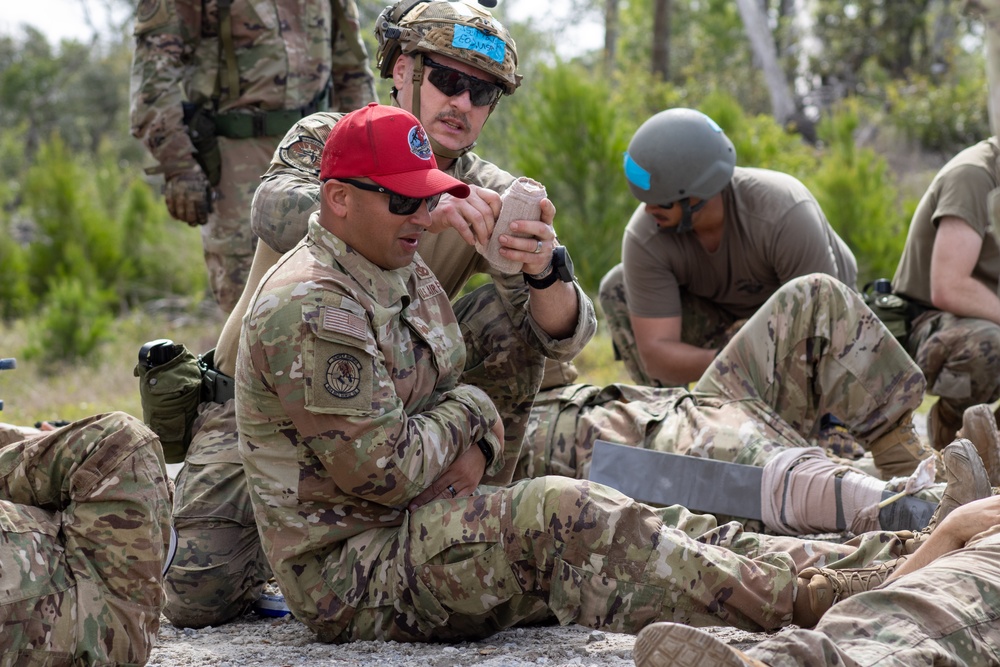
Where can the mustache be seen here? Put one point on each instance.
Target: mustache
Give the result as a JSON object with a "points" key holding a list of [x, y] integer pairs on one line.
{"points": [[451, 114]]}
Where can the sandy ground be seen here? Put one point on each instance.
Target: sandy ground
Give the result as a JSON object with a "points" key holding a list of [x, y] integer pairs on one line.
{"points": [[253, 641], [256, 641]]}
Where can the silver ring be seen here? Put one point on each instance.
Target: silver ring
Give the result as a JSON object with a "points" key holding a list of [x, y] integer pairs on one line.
{"points": [[538, 248], [453, 491]]}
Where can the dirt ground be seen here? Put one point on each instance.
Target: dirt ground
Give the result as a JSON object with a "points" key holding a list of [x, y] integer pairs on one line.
{"points": [[253, 641]]}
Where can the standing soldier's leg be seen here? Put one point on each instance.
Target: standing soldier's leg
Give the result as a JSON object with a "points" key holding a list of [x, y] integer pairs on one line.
{"points": [[499, 362], [559, 549], [219, 569], [227, 239], [960, 357], [84, 524], [814, 348]]}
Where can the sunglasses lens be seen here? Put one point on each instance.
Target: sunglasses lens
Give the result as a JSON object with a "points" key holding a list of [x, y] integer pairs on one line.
{"points": [[432, 202], [400, 205], [452, 82]]}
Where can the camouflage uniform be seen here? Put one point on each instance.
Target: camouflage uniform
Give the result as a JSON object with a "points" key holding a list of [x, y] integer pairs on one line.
{"points": [[84, 520], [351, 405], [812, 349], [219, 569], [944, 614], [290, 56]]}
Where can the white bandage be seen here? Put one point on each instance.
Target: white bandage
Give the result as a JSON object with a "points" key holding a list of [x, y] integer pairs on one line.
{"points": [[799, 494], [521, 201]]}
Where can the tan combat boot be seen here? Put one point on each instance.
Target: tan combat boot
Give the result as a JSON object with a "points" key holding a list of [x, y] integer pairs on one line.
{"points": [[966, 476], [821, 587], [677, 645], [980, 426]]}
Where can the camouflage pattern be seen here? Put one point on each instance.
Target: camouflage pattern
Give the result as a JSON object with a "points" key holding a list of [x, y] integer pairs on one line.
{"points": [[219, 569], [960, 357], [504, 353], [942, 615], [84, 520], [813, 348], [703, 324], [286, 53], [350, 406]]}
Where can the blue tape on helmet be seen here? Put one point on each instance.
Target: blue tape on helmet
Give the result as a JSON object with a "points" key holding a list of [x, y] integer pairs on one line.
{"points": [[712, 124], [635, 174], [491, 46]]}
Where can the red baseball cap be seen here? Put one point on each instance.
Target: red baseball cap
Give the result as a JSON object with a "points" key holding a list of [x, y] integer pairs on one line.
{"points": [[389, 146]]}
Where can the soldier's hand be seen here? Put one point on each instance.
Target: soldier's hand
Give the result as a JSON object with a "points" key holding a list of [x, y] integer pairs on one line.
{"points": [[472, 217], [189, 196], [459, 479]]}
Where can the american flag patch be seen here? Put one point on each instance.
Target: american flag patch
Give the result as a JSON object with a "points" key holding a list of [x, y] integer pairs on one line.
{"points": [[344, 322]]}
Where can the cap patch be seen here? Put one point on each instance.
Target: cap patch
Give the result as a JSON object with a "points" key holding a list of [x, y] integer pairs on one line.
{"points": [[419, 145], [635, 174], [471, 39]]}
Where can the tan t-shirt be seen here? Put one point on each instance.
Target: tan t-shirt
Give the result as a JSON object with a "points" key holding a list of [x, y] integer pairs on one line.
{"points": [[774, 230], [960, 189]]}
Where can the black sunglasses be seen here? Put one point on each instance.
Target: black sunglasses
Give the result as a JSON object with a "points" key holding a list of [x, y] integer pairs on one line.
{"points": [[398, 204], [451, 82]]}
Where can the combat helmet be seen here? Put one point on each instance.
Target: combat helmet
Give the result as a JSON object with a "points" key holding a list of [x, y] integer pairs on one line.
{"points": [[678, 154], [452, 28]]}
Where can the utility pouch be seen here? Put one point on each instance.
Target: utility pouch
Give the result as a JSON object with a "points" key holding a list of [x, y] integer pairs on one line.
{"points": [[895, 312], [170, 390], [200, 123]]}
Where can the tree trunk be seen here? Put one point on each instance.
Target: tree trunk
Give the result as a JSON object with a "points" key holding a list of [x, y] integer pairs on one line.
{"points": [[661, 38], [610, 35], [762, 44]]}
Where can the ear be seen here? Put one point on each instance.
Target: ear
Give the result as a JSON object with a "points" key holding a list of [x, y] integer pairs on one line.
{"points": [[333, 195], [401, 71]]}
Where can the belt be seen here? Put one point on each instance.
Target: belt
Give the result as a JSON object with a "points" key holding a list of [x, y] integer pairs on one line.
{"points": [[241, 125]]}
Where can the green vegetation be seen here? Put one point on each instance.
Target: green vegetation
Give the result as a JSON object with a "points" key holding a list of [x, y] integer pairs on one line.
{"points": [[86, 244]]}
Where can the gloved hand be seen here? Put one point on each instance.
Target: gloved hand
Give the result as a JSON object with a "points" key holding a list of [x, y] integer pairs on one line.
{"points": [[189, 196]]}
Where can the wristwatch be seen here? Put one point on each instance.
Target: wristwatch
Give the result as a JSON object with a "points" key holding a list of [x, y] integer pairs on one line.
{"points": [[560, 268]]}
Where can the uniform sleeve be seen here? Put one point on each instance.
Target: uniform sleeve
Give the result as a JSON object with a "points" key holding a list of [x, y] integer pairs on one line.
{"points": [[164, 36], [353, 82], [963, 193], [289, 189], [344, 406]]}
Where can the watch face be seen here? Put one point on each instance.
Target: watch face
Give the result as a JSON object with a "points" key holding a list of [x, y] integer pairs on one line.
{"points": [[563, 264]]}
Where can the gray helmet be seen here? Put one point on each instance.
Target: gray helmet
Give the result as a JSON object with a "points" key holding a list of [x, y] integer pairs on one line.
{"points": [[465, 32], [677, 154]]}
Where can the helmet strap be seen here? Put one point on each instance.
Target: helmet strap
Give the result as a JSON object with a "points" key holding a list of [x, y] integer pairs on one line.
{"points": [[418, 80], [688, 211]]}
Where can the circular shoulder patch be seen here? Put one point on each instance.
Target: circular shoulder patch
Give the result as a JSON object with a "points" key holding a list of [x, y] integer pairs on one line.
{"points": [[343, 375], [302, 152]]}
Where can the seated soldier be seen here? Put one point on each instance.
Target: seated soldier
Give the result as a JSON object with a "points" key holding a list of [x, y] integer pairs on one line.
{"points": [[84, 529]]}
